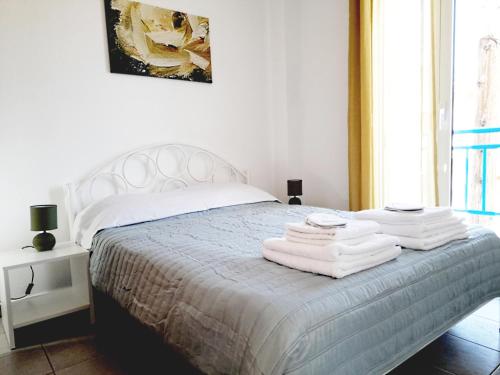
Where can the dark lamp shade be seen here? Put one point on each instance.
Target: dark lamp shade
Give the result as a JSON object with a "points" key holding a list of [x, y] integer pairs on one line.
{"points": [[294, 188], [43, 217]]}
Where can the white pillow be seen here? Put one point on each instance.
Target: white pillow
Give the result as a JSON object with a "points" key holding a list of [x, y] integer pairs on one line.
{"points": [[228, 194], [126, 209]]}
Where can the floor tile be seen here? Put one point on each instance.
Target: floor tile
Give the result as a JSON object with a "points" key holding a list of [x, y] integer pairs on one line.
{"points": [[460, 357], [31, 361], [497, 371], [490, 311], [99, 366], [67, 353], [478, 330]]}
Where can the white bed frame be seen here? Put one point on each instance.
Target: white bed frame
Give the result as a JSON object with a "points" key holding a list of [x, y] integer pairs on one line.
{"points": [[154, 168]]}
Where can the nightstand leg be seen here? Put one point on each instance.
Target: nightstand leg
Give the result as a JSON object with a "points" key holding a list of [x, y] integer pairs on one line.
{"points": [[80, 280]]}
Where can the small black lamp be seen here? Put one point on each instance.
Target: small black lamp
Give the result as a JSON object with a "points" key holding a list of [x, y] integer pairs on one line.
{"points": [[294, 189], [44, 218]]}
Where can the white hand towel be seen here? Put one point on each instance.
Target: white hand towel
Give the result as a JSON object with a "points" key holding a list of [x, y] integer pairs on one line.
{"points": [[429, 215], [310, 240], [353, 229], [305, 228], [336, 251], [421, 230], [429, 243], [333, 269], [322, 240], [292, 237], [312, 236]]}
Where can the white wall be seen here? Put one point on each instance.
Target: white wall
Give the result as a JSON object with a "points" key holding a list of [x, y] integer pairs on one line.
{"points": [[277, 107], [316, 55], [62, 113], [278, 101]]}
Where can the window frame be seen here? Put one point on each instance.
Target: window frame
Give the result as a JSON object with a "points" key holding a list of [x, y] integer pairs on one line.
{"points": [[445, 90]]}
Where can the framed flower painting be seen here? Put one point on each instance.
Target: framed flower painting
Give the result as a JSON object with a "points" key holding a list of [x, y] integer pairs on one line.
{"points": [[151, 41]]}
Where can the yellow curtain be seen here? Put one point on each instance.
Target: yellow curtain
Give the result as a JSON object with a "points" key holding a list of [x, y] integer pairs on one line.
{"points": [[361, 161]]}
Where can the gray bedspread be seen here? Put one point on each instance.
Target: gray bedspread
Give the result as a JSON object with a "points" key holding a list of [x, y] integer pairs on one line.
{"points": [[200, 282]]}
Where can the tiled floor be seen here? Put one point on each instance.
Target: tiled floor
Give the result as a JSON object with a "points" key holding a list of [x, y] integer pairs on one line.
{"points": [[78, 356], [472, 347], [68, 357]]}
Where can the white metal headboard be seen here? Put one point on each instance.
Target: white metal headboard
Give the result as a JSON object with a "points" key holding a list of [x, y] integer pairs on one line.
{"points": [[154, 168]]}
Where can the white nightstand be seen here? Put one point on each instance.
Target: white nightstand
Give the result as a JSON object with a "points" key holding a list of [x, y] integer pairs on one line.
{"points": [[46, 305]]}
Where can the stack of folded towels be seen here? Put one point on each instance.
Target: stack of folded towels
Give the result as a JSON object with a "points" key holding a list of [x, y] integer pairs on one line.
{"points": [[332, 246], [419, 229]]}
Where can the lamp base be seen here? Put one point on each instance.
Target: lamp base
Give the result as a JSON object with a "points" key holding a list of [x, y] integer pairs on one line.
{"points": [[44, 241], [295, 200]]}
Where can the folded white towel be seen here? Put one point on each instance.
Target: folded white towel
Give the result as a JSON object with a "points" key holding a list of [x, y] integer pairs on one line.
{"points": [[336, 251], [353, 229], [429, 215], [324, 240], [312, 236], [333, 269], [311, 240], [429, 243], [421, 230]]}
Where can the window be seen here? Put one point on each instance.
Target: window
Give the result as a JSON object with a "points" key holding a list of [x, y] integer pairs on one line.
{"points": [[404, 105], [476, 110]]}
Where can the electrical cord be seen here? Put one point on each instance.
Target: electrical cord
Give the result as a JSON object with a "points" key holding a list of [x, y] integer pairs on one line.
{"points": [[30, 286]]}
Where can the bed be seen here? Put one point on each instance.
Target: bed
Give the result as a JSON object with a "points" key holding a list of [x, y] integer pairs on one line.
{"points": [[196, 278]]}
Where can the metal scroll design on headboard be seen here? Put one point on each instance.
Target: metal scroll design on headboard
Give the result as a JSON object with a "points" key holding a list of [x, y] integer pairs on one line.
{"points": [[156, 168]]}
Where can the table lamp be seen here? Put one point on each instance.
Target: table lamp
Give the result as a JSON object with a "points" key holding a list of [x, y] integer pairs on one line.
{"points": [[44, 218], [294, 189]]}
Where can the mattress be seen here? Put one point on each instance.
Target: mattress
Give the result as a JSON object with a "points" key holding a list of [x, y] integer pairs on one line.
{"points": [[199, 281]]}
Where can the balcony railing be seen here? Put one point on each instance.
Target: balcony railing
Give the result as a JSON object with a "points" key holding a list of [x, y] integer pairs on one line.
{"points": [[484, 179]]}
